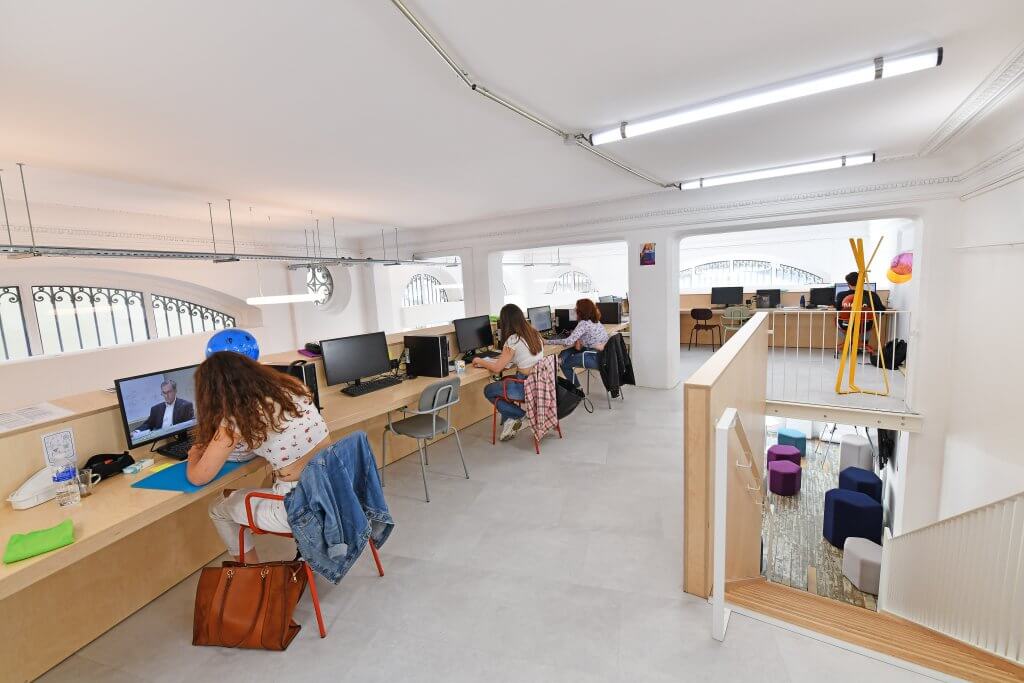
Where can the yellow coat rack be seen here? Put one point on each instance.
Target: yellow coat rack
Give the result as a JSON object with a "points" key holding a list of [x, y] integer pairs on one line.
{"points": [[852, 341]]}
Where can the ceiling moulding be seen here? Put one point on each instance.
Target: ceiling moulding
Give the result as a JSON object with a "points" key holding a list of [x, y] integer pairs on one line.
{"points": [[1001, 157], [854, 197], [991, 92]]}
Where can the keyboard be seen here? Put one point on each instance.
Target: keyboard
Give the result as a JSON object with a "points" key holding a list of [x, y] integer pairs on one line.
{"points": [[480, 354], [177, 449], [366, 386]]}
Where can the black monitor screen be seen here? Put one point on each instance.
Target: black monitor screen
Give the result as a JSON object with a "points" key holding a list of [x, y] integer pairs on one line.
{"points": [[540, 317], [843, 287], [774, 297], [822, 296], [727, 296], [157, 405], [347, 359], [473, 333], [611, 312]]}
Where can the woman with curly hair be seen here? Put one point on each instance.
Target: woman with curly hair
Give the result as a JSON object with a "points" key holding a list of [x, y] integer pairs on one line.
{"points": [[244, 406]]}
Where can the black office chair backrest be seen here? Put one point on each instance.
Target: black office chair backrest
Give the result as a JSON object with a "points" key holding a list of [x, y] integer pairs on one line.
{"points": [[701, 313], [439, 395]]}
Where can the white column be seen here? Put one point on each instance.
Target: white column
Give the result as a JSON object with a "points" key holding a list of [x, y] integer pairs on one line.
{"points": [[481, 272], [654, 309]]}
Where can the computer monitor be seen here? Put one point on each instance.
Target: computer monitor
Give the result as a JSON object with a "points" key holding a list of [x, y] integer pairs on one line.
{"points": [[727, 296], [540, 317], [843, 287], [349, 359], [566, 318], [157, 405], [822, 296], [768, 298], [611, 312], [473, 333]]}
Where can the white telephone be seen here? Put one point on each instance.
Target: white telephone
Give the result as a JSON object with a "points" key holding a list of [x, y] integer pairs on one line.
{"points": [[37, 490]]}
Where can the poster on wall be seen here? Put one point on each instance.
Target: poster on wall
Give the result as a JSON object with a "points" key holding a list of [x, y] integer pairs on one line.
{"points": [[647, 254]]}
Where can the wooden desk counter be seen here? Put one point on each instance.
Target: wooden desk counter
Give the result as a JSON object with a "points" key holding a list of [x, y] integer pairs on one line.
{"points": [[131, 545]]}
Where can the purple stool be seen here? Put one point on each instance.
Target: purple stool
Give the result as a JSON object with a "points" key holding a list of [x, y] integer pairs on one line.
{"points": [[783, 452], [783, 478]]}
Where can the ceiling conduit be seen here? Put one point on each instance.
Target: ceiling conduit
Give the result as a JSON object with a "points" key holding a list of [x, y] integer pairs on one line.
{"points": [[580, 140]]}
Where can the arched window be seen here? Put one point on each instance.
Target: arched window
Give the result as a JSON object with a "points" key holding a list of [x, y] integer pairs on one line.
{"points": [[13, 333], [573, 282], [320, 282], [746, 272], [76, 317], [422, 290], [175, 317]]}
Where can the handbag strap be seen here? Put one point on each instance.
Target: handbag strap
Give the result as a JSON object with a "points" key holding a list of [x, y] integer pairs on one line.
{"points": [[259, 608]]}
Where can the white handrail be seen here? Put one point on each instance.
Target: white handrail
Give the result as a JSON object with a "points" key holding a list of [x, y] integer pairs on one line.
{"points": [[719, 612], [962, 576]]}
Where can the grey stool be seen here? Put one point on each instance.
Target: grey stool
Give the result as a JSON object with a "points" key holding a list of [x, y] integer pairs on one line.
{"points": [[425, 423]]}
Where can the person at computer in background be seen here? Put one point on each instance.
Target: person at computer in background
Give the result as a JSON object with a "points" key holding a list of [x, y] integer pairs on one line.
{"points": [[253, 407], [588, 335], [844, 302], [171, 411], [522, 348]]}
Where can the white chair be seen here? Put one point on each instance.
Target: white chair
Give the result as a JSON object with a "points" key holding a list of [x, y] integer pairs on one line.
{"points": [[862, 564]]}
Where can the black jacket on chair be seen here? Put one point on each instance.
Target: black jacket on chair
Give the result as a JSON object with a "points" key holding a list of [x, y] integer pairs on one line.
{"points": [[616, 366]]}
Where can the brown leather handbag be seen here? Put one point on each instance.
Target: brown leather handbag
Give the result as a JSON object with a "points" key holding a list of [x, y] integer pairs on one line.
{"points": [[248, 605]]}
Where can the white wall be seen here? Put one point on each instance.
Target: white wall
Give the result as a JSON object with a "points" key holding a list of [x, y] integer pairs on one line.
{"points": [[223, 286], [347, 313], [388, 288], [984, 451], [605, 263]]}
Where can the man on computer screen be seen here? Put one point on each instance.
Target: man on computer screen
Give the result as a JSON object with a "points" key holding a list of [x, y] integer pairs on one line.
{"points": [[171, 411]]}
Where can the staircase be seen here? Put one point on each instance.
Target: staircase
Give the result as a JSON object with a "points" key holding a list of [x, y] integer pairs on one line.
{"points": [[962, 576], [884, 633]]}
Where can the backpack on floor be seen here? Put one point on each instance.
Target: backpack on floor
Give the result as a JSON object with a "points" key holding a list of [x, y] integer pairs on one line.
{"points": [[894, 354], [567, 397]]}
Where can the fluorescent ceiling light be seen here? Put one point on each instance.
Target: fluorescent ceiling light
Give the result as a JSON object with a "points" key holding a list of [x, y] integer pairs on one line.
{"points": [[281, 299], [778, 171], [881, 67]]}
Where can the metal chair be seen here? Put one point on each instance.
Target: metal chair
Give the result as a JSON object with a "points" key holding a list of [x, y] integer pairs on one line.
{"points": [[550, 360], [309, 572], [733, 319], [589, 371], [425, 423], [700, 316]]}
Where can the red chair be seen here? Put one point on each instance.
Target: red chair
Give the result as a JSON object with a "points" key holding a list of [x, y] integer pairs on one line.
{"points": [[504, 397], [309, 572]]}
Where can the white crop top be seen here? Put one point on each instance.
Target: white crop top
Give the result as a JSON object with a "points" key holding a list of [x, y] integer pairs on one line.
{"points": [[521, 356], [298, 436]]}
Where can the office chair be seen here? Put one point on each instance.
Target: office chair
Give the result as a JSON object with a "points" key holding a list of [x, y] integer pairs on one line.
{"points": [[309, 572], [549, 361], [425, 423], [700, 316], [607, 393]]}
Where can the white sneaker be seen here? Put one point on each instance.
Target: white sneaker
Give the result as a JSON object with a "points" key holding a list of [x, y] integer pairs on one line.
{"points": [[509, 429]]}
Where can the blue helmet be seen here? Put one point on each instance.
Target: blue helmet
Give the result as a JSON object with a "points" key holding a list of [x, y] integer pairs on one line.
{"points": [[234, 339]]}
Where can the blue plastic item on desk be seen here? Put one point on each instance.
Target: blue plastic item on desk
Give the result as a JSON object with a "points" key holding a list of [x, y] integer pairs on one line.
{"points": [[234, 339], [173, 478]]}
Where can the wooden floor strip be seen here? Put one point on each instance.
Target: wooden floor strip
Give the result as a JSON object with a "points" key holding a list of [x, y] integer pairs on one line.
{"points": [[882, 633]]}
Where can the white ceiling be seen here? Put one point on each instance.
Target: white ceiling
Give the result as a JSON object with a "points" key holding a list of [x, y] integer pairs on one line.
{"points": [[340, 107]]}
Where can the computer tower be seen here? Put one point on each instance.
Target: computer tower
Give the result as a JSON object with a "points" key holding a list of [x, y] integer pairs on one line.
{"points": [[428, 356], [611, 312], [305, 372]]}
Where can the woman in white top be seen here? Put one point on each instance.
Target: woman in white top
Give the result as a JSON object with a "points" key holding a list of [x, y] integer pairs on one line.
{"points": [[523, 348], [245, 406]]}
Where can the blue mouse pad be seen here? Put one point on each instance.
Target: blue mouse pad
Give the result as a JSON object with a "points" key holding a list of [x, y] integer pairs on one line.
{"points": [[173, 478]]}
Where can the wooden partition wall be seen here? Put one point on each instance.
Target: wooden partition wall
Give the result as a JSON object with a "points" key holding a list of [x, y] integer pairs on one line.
{"points": [[736, 377]]}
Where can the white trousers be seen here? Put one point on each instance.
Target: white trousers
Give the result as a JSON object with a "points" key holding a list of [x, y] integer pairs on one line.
{"points": [[228, 515]]}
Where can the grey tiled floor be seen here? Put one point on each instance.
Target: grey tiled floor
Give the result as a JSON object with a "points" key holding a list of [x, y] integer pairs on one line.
{"points": [[560, 567]]}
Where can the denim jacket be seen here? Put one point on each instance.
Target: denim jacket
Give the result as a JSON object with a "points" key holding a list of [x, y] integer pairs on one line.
{"points": [[337, 506]]}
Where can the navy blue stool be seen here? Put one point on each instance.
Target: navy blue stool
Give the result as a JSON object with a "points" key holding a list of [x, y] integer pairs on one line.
{"points": [[851, 514], [857, 479]]}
